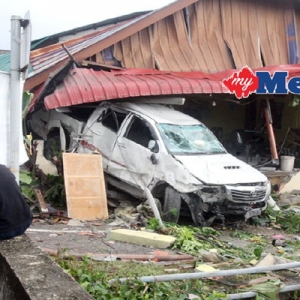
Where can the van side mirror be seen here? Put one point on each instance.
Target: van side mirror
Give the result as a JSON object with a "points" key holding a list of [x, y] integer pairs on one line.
{"points": [[153, 146]]}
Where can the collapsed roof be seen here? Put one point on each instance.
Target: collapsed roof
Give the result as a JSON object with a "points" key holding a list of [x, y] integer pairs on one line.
{"points": [[75, 86], [208, 36]]}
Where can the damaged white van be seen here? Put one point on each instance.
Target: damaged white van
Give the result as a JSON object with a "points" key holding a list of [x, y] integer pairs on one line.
{"points": [[176, 157]]}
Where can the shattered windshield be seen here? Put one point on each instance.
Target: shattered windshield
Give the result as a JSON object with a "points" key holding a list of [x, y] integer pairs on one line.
{"points": [[190, 139]]}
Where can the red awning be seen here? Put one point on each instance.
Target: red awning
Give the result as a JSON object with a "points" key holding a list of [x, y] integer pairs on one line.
{"points": [[83, 85], [86, 85]]}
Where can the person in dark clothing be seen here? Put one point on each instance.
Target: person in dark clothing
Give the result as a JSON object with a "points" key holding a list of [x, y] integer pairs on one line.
{"points": [[15, 214]]}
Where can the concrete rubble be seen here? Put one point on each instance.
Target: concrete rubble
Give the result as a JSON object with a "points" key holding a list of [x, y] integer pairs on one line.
{"points": [[28, 273], [142, 238]]}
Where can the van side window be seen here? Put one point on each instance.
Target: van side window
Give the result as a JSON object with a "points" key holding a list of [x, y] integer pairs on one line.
{"points": [[139, 132], [112, 119]]}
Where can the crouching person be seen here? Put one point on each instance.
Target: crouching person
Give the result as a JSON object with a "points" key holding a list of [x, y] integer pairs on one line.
{"points": [[15, 214]]}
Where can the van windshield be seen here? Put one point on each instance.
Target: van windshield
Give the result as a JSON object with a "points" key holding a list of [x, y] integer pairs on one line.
{"points": [[189, 139]]}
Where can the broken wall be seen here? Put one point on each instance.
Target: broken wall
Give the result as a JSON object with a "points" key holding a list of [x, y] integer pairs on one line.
{"points": [[10, 286], [27, 273], [213, 35]]}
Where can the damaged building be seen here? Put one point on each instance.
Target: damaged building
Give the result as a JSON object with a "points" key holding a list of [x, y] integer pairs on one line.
{"points": [[208, 36], [204, 42]]}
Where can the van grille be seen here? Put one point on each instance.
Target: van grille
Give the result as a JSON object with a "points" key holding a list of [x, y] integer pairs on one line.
{"points": [[251, 196]]}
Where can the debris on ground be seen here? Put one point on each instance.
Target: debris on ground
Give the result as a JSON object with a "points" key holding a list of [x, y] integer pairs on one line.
{"points": [[194, 250], [269, 240]]}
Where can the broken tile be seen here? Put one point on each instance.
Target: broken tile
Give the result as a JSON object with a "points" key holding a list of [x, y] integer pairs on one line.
{"points": [[268, 260], [213, 257]]}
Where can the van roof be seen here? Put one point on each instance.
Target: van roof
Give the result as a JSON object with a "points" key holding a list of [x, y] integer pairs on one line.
{"points": [[159, 113]]}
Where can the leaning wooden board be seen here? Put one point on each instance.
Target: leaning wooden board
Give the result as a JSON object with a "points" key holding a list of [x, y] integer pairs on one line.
{"points": [[85, 186]]}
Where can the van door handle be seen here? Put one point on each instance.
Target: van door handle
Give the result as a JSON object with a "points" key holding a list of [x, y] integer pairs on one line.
{"points": [[121, 145]]}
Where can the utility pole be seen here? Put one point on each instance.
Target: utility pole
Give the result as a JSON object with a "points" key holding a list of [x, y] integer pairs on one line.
{"points": [[19, 49], [15, 106]]}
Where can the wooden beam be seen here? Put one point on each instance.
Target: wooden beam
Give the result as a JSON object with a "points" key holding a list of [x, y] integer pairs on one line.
{"points": [[96, 64], [41, 202]]}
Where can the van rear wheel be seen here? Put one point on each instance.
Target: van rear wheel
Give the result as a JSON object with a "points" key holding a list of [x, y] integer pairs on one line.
{"points": [[171, 205]]}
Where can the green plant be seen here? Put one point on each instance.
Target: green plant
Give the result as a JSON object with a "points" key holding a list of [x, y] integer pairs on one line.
{"points": [[55, 190], [174, 212], [241, 234], [267, 218], [25, 177], [258, 252], [187, 242], [94, 278], [209, 231], [153, 224], [27, 97], [216, 295], [289, 221], [26, 183]]}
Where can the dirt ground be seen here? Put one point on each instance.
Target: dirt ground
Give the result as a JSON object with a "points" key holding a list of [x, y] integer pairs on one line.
{"points": [[88, 237], [93, 236]]}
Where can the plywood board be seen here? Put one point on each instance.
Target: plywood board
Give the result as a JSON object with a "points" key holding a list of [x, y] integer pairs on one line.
{"points": [[85, 186]]}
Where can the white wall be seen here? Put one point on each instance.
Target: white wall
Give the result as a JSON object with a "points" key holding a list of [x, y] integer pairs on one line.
{"points": [[4, 117]]}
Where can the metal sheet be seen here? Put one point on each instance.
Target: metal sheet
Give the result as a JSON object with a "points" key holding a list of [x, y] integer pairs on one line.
{"points": [[86, 85], [173, 52], [135, 51], [207, 37], [273, 30], [241, 32]]}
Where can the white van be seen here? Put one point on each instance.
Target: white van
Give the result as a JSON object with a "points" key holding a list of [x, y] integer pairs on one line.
{"points": [[178, 158], [153, 146]]}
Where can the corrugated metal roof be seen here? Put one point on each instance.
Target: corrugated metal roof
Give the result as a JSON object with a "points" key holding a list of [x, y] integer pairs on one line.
{"points": [[43, 58], [5, 62], [86, 85], [54, 38]]}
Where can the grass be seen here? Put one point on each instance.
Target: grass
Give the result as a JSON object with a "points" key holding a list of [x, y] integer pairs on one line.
{"points": [[94, 278]]}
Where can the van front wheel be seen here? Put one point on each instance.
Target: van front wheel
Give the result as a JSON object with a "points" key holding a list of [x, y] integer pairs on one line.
{"points": [[199, 217], [171, 205]]}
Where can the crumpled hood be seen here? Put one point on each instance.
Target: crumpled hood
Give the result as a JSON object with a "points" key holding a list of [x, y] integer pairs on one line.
{"points": [[220, 169]]}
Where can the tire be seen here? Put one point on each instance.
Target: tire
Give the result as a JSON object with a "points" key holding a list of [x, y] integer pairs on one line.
{"points": [[171, 205]]}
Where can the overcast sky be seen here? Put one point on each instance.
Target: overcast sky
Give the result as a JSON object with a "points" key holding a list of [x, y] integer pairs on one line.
{"points": [[52, 16]]}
